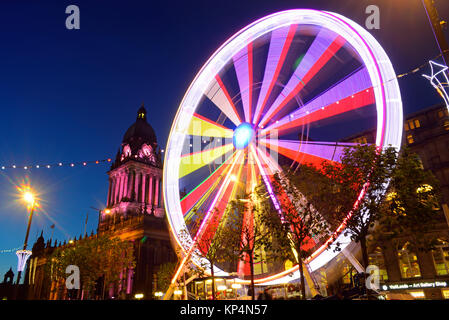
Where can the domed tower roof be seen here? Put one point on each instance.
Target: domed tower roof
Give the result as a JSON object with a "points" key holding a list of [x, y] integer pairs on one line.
{"points": [[140, 132], [139, 143]]}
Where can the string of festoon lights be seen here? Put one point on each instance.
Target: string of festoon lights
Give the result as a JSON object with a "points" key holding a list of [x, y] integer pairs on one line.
{"points": [[55, 165]]}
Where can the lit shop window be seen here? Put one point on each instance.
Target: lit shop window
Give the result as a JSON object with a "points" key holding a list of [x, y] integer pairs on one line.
{"points": [[348, 273], [417, 294], [441, 258], [445, 293], [408, 263], [412, 124], [410, 139], [377, 258]]}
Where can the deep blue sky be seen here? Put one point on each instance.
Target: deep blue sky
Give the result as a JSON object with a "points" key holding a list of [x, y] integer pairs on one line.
{"points": [[69, 95]]}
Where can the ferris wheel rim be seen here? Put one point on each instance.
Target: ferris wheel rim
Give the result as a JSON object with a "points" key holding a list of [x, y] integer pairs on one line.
{"points": [[277, 20]]}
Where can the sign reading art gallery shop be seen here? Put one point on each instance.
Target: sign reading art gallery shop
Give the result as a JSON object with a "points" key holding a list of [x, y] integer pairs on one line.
{"points": [[415, 285]]}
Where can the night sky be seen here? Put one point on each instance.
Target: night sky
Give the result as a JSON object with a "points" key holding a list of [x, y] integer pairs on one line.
{"points": [[69, 95]]}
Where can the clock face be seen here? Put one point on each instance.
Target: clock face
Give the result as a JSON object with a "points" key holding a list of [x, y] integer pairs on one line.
{"points": [[147, 152], [126, 151]]}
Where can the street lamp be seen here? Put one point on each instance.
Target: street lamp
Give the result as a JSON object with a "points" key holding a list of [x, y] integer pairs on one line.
{"points": [[24, 254]]}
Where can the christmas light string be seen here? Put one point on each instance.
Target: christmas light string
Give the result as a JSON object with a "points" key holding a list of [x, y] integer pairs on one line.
{"points": [[426, 64], [56, 164]]}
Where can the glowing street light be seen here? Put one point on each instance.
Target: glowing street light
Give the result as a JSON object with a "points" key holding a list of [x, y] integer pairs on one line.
{"points": [[29, 198], [24, 254]]}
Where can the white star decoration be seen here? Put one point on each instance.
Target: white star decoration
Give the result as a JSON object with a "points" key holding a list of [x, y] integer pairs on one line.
{"points": [[439, 80]]}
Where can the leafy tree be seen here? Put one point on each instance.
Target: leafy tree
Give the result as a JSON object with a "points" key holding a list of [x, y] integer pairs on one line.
{"points": [[411, 209], [247, 233], [298, 224], [165, 274], [362, 167], [210, 243], [96, 257]]}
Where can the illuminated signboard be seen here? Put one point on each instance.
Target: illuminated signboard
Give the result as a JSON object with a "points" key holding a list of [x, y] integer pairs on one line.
{"points": [[417, 285]]}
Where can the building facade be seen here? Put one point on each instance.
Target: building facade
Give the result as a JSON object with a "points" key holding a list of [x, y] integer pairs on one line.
{"points": [[403, 272]]}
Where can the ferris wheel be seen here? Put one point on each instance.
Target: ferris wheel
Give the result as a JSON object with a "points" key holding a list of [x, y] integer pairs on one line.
{"points": [[289, 88]]}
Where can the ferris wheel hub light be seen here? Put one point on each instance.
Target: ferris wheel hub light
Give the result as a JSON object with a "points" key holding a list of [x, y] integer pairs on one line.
{"points": [[243, 135]]}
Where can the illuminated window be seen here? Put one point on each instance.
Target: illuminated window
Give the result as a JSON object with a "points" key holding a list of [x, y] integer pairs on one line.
{"points": [[441, 258], [408, 263], [376, 258], [412, 124], [410, 138], [417, 294], [445, 293]]}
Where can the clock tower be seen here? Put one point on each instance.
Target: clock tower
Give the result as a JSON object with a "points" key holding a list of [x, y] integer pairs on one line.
{"points": [[135, 210]]}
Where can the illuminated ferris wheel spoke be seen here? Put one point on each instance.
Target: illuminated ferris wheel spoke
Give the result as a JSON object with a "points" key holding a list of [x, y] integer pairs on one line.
{"points": [[222, 198], [243, 64], [307, 151], [203, 127], [243, 267], [320, 52], [252, 174], [274, 168], [219, 95], [217, 215], [313, 113], [189, 200], [281, 40], [268, 163], [196, 160], [265, 177], [347, 95]]}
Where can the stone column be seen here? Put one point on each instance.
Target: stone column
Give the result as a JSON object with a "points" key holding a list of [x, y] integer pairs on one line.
{"points": [[131, 184], [113, 190], [150, 191], [119, 190], [122, 187], [125, 185], [143, 186], [156, 193], [129, 286], [136, 186]]}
